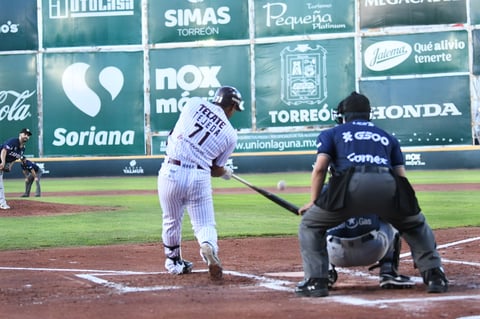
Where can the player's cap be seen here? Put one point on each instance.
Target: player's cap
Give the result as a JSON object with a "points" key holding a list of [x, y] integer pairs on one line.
{"points": [[26, 131], [228, 95], [23, 158]]}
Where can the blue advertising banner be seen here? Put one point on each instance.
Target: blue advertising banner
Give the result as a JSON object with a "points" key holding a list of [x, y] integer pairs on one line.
{"points": [[176, 77], [93, 104], [18, 98], [69, 23], [423, 111], [18, 25], [299, 83], [185, 21]]}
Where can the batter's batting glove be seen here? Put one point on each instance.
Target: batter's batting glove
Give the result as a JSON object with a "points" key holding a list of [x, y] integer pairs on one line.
{"points": [[228, 173]]}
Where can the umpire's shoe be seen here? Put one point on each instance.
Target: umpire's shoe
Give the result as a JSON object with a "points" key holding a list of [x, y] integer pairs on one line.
{"points": [[435, 280], [312, 287], [395, 281]]}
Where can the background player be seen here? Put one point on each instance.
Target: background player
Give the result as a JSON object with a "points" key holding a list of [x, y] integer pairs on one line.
{"points": [[32, 172], [365, 241], [11, 150], [197, 148]]}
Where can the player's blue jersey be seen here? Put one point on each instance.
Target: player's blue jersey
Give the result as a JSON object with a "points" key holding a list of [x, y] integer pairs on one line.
{"points": [[373, 146], [14, 151], [28, 166], [355, 226]]}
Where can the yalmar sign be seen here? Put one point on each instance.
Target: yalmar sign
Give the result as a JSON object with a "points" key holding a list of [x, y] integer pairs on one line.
{"points": [[64, 9]]}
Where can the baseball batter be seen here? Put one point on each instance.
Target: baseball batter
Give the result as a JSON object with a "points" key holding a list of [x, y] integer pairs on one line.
{"points": [[365, 241], [11, 150], [197, 148]]}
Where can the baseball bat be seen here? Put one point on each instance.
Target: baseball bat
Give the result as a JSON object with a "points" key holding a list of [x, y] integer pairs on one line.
{"points": [[274, 198]]}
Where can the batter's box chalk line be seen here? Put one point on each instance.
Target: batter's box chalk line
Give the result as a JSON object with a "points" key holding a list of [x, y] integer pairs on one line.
{"points": [[261, 281]]}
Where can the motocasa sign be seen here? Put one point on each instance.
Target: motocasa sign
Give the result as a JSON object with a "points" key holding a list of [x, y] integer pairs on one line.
{"points": [[93, 104]]}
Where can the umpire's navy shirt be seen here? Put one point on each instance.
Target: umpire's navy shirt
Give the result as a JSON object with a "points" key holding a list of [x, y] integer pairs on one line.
{"points": [[28, 166], [359, 143], [355, 226]]}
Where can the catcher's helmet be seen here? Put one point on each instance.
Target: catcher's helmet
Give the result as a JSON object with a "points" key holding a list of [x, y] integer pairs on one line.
{"points": [[228, 95], [354, 106]]}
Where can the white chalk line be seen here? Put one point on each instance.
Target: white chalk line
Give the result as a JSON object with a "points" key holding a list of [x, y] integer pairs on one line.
{"points": [[262, 281]]}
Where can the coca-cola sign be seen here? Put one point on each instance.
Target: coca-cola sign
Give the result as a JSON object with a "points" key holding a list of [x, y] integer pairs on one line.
{"points": [[15, 106]]}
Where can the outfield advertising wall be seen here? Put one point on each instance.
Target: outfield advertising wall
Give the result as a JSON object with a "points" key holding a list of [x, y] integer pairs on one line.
{"points": [[106, 79]]}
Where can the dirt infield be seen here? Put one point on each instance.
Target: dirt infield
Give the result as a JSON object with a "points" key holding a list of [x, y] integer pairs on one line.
{"points": [[128, 281]]}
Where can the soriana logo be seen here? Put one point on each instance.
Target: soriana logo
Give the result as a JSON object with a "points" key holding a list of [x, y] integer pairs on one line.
{"points": [[386, 55]]}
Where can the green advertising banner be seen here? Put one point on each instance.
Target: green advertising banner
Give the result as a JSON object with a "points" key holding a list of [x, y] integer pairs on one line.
{"points": [[93, 104], [422, 53], [476, 51], [423, 111], [185, 21], [299, 83], [176, 75], [293, 17], [386, 13], [68, 23], [18, 25], [18, 98], [475, 11]]}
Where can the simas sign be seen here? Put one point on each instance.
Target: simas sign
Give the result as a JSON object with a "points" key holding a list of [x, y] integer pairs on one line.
{"points": [[103, 93], [423, 53], [423, 111], [175, 80], [195, 20]]}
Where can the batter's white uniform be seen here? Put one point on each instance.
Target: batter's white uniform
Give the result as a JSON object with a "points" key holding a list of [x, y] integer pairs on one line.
{"points": [[202, 136]]}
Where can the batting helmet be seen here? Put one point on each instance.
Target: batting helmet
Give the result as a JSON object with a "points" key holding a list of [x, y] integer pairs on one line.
{"points": [[354, 106], [228, 95]]}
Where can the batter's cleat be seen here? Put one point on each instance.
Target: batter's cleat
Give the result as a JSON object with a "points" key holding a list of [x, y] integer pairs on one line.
{"points": [[4, 206], [312, 287], [214, 266], [178, 266], [394, 281], [435, 280]]}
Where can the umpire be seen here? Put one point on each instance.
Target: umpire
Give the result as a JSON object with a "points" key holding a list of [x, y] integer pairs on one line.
{"points": [[368, 177]]}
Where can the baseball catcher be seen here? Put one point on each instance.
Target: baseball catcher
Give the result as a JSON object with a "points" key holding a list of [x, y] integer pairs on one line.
{"points": [[366, 241]]}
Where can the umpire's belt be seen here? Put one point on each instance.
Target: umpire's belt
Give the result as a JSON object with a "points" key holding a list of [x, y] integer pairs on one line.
{"points": [[185, 165], [372, 169], [351, 241]]}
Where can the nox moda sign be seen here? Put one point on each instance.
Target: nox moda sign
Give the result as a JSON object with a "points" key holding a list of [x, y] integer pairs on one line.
{"points": [[385, 13], [292, 17], [18, 25], [299, 83], [176, 77], [68, 23], [423, 111], [18, 98], [423, 53], [93, 104], [190, 20]]}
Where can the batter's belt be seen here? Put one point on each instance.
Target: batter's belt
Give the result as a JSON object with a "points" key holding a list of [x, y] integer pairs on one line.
{"points": [[184, 165]]}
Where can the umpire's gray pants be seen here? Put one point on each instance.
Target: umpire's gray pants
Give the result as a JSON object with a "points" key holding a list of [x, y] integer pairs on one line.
{"points": [[368, 193]]}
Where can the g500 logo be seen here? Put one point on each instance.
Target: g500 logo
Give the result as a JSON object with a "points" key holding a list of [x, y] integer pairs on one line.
{"points": [[87, 100]]}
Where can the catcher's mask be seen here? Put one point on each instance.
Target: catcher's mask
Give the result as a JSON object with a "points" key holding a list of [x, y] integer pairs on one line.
{"points": [[228, 95], [355, 106]]}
